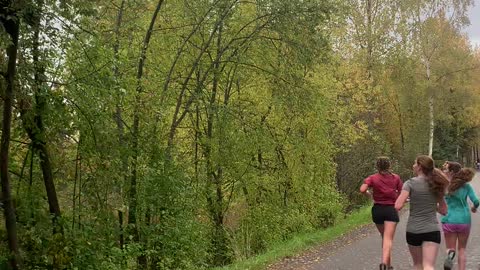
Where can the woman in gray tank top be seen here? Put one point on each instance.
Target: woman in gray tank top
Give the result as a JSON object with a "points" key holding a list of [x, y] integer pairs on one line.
{"points": [[426, 191]]}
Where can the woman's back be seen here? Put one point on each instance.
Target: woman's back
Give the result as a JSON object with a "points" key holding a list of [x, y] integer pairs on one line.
{"points": [[386, 187], [423, 206], [458, 207]]}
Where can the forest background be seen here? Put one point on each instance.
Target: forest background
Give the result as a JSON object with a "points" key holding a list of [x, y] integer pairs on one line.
{"points": [[192, 134]]}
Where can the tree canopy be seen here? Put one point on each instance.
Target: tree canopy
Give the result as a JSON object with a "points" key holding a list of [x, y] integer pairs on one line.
{"points": [[193, 134]]}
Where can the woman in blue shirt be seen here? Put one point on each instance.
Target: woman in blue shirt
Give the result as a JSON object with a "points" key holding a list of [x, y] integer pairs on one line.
{"points": [[456, 224]]}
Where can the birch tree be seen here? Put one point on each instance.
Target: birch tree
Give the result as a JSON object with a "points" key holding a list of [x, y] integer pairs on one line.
{"points": [[427, 41]]}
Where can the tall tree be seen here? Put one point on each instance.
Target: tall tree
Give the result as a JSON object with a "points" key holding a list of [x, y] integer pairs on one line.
{"points": [[33, 117], [136, 134], [10, 19], [427, 41]]}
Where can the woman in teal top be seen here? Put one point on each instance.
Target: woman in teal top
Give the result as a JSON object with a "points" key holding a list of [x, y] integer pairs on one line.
{"points": [[456, 224]]}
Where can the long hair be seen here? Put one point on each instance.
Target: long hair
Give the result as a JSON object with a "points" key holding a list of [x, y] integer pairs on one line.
{"points": [[383, 165], [460, 178], [436, 179], [453, 166]]}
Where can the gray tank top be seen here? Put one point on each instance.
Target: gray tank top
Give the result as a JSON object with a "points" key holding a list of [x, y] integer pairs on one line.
{"points": [[423, 207]]}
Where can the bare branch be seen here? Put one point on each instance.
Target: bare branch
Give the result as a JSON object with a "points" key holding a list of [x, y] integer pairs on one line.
{"points": [[456, 71]]}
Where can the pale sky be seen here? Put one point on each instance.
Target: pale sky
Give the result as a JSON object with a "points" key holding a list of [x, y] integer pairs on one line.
{"points": [[473, 30]]}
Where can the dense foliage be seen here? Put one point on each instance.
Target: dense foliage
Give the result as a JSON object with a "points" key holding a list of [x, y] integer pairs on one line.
{"points": [[191, 134]]}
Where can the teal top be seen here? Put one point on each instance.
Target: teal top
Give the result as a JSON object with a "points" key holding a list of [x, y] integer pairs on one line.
{"points": [[458, 208]]}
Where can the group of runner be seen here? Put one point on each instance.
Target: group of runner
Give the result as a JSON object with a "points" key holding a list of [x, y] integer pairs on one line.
{"points": [[431, 190]]}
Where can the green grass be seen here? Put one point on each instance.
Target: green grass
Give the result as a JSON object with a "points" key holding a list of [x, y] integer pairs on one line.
{"points": [[302, 242]]}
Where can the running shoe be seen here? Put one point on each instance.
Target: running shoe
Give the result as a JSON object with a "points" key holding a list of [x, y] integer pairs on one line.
{"points": [[448, 264]]}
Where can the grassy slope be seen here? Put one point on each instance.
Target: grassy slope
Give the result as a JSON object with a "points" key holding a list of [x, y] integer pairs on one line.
{"points": [[304, 241]]}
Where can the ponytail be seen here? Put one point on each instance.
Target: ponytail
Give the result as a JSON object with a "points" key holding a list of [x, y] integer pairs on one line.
{"points": [[383, 165], [460, 178], [437, 182]]}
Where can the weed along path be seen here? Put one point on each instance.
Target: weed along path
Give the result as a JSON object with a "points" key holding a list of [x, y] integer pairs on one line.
{"points": [[360, 249]]}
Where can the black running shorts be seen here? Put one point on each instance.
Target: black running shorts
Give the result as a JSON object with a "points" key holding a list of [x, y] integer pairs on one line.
{"points": [[382, 213], [416, 239]]}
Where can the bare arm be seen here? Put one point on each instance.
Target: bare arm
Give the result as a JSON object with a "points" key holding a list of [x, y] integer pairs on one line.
{"points": [[399, 186], [401, 200], [442, 206], [364, 190]]}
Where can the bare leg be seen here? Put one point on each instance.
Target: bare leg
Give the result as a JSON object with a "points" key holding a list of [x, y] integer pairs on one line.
{"points": [[462, 244], [450, 241], [381, 229], [388, 234], [416, 252], [429, 250]]}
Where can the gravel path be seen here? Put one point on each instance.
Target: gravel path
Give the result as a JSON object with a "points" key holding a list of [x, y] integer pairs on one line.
{"points": [[361, 249]]}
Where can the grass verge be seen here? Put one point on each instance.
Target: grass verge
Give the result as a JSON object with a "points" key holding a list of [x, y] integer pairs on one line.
{"points": [[302, 242]]}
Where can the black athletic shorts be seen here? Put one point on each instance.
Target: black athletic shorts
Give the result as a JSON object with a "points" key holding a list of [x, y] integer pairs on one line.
{"points": [[382, 213], [416, 239]]}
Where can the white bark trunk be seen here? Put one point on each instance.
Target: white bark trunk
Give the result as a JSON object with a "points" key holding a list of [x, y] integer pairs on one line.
{"points": [[431, 112], [473, 157], [432, 126]]}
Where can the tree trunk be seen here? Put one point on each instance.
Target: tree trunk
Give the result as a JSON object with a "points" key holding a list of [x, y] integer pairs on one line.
{"points": [[116, 77], [118, 116], [46, 166], [74, 196], [396, 106], [477, 158], [132, 211], [35, 128], [215, 197], [431, 124], [430, 110], [473, 156], [11, 26], [369, 39]]}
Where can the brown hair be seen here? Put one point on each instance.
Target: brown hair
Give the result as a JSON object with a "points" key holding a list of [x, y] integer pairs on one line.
{"points": [[453, 166], [383, 165], [460, 178], [437, 181]]}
